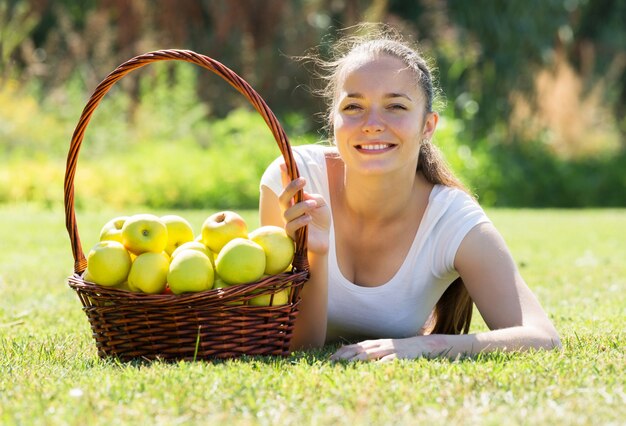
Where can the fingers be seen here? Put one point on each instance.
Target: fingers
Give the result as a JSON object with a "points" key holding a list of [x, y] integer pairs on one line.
{"points": [[364, 351], [293, 225], [388, 358], [285, 198], [312, 209], [291, 186]]}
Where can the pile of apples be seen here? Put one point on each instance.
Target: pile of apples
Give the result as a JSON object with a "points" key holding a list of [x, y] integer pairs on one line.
{"points": [[151, 254]]}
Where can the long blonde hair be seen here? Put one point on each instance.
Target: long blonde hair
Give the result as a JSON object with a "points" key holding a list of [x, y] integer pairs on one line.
{"points": [[453, 311]]}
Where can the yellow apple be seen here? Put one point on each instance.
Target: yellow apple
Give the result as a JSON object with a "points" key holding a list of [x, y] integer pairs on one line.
{"points": [[108, 263], [179, 231], [240, 261], [148, 273], [87, 276], [280, 298], [190, 271], [112, 230], [123, 286], [219, 228], [143, 233], [278, 247]]}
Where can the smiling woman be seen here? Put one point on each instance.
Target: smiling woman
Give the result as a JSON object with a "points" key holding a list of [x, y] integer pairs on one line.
{"points": [[379, 118], [398, 249]]}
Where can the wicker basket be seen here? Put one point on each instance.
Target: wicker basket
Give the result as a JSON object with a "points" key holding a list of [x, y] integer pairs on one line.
{"points": [[211, 324]]}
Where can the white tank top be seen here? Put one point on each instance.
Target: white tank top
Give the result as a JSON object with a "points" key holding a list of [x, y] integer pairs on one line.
{"points": [[400, 307]]}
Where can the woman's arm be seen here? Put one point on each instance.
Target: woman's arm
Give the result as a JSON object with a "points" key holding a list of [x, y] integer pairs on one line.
{"points": [[310, 327], [510, 310]]}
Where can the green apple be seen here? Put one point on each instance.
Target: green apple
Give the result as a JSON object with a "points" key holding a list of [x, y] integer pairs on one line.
{"points": [[143, 233], [190, 271], [280, 298], [108, 263], [179, 231], [193, 245], [279, 248], [112, 230], [240, 261], [148, 273], [219, 228], [220, 283]]}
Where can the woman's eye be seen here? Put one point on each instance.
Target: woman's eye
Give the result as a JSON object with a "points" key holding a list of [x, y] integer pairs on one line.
{"points": [[397, 107], [352, 107]]}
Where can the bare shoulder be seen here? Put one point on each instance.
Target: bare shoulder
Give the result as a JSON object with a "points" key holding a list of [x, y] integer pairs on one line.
{"points": [[483, 247], [484, 236]]}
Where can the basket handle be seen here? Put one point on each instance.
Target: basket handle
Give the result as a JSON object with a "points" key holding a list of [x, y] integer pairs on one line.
{"points": [[80, 262]]}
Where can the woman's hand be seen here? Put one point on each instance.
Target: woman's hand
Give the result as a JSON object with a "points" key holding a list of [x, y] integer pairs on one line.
{"points": [[312, 211], [384, 350]]}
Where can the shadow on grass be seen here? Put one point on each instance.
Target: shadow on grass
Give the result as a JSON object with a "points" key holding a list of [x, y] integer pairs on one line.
{"points": [[311, 357], [321, 356]]}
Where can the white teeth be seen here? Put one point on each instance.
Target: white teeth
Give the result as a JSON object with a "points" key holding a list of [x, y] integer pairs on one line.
{"points": [[375, 147]]}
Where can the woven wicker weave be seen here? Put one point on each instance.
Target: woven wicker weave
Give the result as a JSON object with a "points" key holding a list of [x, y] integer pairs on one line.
{"points": [[211, 324]]}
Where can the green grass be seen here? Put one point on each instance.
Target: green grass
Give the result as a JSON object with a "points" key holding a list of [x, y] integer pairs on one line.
{"points": [[574, 260]]}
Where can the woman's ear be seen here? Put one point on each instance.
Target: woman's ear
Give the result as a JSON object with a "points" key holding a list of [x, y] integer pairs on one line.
{"points": [[430, 124]]}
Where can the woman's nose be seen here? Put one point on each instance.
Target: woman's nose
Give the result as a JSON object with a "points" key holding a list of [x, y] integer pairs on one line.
{"points": [[373, 123]]}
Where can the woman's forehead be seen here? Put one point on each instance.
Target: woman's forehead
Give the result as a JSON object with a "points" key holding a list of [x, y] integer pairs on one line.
{"points": [[370, 62], [377, 71]]}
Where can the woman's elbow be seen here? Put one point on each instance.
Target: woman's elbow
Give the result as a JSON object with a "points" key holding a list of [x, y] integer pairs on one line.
{"points": [[547, 338]]}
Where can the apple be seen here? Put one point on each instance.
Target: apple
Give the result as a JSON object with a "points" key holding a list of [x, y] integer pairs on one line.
{"points": [[143, 233], [123, 286], [193, 245], [219, 228], [148, 273], [108, 263], [280, 298], [112, 230], [240, 261], [190, 271], [279, 248], [179, 231], [220, 283]]}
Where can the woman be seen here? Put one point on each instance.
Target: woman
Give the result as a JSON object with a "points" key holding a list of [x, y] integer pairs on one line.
{"points": [[397, 248]]}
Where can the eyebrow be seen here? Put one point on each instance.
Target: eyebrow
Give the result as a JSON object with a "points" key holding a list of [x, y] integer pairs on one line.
{"points": [[387, 96]]}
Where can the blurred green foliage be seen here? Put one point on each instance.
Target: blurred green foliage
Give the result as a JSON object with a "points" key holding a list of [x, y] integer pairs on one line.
{"points": [[164, 153], [535, 115]]}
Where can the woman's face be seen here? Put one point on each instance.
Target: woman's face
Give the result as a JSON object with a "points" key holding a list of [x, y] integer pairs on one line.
{"points": [[379, 118]]}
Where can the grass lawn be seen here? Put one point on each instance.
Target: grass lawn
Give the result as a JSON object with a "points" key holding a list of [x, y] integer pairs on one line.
{"points": [[574, 261]]}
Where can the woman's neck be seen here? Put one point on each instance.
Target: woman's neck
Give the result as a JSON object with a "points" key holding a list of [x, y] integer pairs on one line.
{"points": [[375, 199]]}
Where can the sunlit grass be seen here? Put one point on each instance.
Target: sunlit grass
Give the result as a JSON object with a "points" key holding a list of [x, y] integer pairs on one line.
{"points": [[572, 259]]}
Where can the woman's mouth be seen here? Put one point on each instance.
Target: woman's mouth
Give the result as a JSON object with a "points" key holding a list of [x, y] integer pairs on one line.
{"points": [[374, 148]]}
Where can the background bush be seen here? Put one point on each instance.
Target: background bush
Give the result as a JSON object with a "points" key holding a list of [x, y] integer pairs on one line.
{"points": [[162, 154], [536, 95]]}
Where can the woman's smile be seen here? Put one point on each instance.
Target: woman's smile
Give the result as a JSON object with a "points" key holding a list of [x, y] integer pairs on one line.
{"points": [[375, 147]]}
